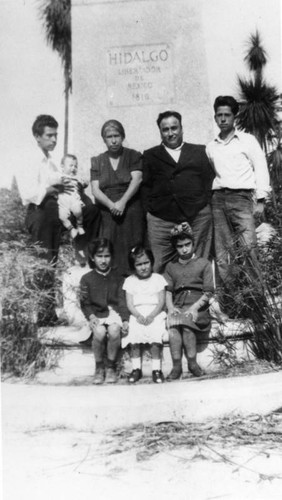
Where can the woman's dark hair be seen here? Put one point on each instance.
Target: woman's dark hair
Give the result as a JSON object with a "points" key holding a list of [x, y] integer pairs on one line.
{"points": [[97, 245], [180, 237], [115, 124], [138, 251], [226, 100]]}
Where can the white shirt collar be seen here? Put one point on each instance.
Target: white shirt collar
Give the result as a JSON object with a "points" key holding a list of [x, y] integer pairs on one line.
{"points": [[173, 149], [222, 141]]}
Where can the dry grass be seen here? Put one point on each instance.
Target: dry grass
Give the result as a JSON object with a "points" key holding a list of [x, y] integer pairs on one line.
{"points": [[217, 434]]}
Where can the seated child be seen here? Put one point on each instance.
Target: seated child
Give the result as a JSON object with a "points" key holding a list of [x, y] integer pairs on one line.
{"points": [[103, 304], [71, 277], [145, 298], [70, 203], [190, 286]]}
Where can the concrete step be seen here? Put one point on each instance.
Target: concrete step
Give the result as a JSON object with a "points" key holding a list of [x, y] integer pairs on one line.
{"points": [[76, 366]]}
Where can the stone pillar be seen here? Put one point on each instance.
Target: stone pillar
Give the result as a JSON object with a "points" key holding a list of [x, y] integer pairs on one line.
{"points": [[132, 60]]}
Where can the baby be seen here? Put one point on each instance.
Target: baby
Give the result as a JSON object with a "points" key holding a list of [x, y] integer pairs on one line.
{"points": [[70, 203]]}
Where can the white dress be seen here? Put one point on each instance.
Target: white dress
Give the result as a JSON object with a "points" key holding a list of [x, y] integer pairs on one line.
{"points": [[145, 298]]}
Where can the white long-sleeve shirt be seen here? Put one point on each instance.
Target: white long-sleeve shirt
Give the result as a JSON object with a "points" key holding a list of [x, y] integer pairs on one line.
{"points": [[239, 163], [40, 172]]}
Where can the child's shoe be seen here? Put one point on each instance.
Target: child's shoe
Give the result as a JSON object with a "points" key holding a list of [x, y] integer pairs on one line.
{"points": [[157, 376], [134, 376], [111, 376], [175, 373], [99, 376], [194, 368]]}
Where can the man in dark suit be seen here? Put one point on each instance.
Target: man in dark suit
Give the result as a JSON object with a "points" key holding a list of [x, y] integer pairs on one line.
{"points": [[176, 188]]}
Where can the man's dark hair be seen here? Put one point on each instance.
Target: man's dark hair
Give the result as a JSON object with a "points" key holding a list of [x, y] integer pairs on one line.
{"points": [[138, 251], [43, 121], [168, 114], [226, 100], [96, 246]]}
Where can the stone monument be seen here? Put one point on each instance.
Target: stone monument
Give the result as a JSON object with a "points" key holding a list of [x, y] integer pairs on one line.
{"points": [[133, 59]]}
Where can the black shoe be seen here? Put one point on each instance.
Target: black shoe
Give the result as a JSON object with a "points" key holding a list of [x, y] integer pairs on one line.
{"points": [[175, 374], [195, 369], [157, 376], [134, 376], [111, 376], [99, 376]]}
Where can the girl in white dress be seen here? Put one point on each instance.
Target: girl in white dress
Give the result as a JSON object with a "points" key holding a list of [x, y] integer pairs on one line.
{"points": [[145, 298]]}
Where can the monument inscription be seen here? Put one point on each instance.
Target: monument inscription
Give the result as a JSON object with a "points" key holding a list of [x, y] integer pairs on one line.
{"points": [[140, 74]]}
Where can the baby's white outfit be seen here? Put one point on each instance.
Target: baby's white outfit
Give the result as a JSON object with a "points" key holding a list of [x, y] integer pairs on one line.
{"points": [[70, 203]]}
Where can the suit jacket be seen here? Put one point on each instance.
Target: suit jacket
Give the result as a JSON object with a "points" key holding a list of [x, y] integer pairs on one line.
{"points": [[176, 191]]}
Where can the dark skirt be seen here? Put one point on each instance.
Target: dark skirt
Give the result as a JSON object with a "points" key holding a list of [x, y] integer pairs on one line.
{"points": [[183, 300], [125, 231]]}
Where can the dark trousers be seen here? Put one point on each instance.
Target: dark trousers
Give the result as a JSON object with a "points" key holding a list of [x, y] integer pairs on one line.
{"points": [[160, 238], [233, 219], [45, 227]]}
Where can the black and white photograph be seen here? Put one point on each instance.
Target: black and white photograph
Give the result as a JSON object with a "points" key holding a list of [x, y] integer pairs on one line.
{"points": [[141, 250]]}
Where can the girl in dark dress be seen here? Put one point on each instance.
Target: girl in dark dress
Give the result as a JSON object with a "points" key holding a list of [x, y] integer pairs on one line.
{"points": [[190, 286], [116, 176]]}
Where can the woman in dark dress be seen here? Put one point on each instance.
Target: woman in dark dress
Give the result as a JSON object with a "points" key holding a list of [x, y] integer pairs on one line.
{"points": [[116, 176]]}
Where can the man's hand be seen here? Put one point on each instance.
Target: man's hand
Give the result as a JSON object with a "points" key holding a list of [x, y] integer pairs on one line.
{"points": [[54, 190], [67, 186]]}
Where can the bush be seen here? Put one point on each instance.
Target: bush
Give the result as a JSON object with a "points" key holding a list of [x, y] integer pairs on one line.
{"points": [[255, 293], [27, 292], [12, 215], [23, 302]]}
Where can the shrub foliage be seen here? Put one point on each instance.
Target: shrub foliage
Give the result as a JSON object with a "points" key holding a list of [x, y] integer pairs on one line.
{"points": [[23, 299]]}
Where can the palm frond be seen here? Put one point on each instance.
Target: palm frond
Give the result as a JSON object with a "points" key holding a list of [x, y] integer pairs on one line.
{"points": [[256, 56], [56, 18], [258, 109]]}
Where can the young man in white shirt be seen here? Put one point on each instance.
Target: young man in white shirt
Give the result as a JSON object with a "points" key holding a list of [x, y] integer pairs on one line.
{"points": [[44, 183], [240, 186]]}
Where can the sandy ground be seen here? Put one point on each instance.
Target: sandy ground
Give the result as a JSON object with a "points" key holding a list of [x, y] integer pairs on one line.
{"points": [[48, 463], [68, 460], [59, 443]]}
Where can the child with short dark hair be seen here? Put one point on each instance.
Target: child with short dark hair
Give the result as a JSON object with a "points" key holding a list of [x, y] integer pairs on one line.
{"points": [[145, 298], [190, 286], [103, 304]]}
